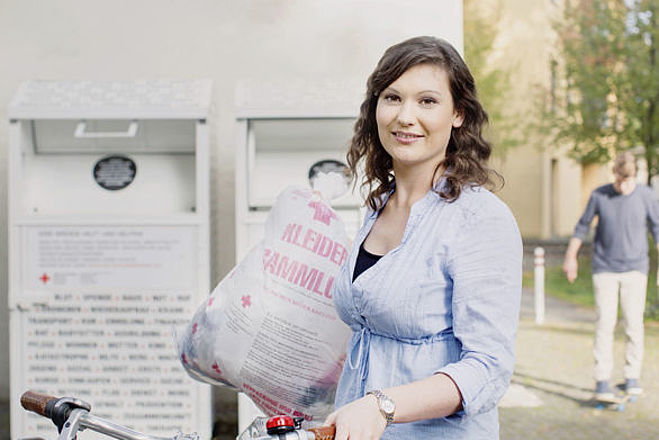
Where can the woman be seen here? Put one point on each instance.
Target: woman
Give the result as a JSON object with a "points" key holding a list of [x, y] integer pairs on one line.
{"points": [[432, 287]]}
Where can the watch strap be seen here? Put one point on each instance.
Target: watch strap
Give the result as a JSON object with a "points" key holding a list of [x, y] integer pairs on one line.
{"points": [[379, 397]]}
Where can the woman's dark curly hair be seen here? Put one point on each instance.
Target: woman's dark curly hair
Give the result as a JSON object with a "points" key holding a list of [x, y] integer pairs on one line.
{"points": [[467, 152]]}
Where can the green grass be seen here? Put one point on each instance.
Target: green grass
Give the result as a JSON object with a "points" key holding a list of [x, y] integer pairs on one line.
{"points": [[581, 291]]}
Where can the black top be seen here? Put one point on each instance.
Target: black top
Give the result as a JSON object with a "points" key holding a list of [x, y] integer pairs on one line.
{"points": [[365, 259]]}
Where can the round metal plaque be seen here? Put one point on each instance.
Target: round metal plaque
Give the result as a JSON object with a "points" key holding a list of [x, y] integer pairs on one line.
{"points": [[114, 172]]}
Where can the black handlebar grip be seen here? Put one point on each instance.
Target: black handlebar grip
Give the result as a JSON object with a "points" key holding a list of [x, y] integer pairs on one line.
{"points": [[324, 432], [36, 402]]}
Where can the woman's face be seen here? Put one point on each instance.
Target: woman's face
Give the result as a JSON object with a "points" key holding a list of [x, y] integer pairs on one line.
{"points": [[415, 115]]}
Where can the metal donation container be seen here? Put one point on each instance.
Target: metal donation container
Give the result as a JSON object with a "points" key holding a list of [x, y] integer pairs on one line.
{"points": [[283, 130], [108, 248]]}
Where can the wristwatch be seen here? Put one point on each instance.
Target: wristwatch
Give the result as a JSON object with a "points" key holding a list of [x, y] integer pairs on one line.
{"points": [[387, 406]]}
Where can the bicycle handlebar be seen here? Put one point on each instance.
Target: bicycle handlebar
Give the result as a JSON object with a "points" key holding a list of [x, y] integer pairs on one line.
{"points": [[324, 432], [59, 409], [36, 402]]}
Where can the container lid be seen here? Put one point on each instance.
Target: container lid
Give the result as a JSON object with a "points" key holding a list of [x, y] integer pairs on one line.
{"points": [[148, 99], [298, 98]]}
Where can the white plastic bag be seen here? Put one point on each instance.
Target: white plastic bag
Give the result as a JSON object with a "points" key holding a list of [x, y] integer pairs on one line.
{"points": [[269, 328]]}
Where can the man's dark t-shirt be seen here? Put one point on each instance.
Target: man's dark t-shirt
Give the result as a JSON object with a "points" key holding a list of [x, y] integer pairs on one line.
{"points": [[620, 243]]}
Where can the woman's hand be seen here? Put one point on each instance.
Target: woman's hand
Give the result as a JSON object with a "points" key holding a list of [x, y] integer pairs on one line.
{"points": [[358, 420]]}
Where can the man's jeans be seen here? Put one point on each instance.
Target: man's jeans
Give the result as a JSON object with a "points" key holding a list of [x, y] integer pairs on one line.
{"points": [[632, 286]]}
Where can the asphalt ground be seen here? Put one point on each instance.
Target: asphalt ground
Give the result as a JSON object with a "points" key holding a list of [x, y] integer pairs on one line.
{"points": [[551, 391], [554, 376]]}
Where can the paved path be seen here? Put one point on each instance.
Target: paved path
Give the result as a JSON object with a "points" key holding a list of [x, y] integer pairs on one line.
{"points": [[554, 370]]}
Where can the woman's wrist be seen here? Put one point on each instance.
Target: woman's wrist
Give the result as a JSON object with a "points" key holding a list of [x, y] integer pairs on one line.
{"points": [[385, 405]]}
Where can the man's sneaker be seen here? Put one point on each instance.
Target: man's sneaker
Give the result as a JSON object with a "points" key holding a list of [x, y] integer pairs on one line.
{"points": [[603, 391], [632, 387]]}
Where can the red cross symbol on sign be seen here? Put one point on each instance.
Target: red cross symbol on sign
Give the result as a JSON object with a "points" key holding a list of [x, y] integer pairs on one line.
{"points": [[247, 300], [44, 278]]}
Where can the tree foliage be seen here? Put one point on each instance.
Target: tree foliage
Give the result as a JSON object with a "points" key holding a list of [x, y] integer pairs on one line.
{"points": [[493, 84], [608, 81]]}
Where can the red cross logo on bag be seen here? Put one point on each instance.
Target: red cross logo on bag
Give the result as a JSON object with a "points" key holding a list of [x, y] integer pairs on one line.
{"points": [[323, 212], [247, 301]]}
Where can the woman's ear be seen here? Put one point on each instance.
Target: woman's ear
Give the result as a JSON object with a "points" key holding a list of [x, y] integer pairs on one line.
{"points": [[458, 119]]}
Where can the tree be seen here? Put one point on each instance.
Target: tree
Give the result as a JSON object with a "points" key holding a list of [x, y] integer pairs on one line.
{"points": [[640, 91], [480, 32], [608, 81]]}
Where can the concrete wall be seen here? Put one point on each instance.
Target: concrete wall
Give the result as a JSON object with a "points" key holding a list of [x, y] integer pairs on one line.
{"points": [[225, 40]]}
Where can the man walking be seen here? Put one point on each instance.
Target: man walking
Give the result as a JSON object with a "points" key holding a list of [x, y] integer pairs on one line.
{"points": [[620, 264]]}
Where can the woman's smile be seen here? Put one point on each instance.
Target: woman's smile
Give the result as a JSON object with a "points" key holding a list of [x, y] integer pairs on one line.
{"points": [[407, 138]]}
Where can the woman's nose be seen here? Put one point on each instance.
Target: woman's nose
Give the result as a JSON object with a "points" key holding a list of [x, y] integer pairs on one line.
{"points": [[406, 115]]}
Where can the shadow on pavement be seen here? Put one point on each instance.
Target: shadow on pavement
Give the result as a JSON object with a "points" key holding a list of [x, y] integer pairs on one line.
{"points": [[548, 381], [560, 328], [555, 392], [549, 386]]}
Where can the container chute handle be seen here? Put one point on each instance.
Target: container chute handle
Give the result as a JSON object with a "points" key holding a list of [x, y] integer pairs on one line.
{"points": [[81, 132]]}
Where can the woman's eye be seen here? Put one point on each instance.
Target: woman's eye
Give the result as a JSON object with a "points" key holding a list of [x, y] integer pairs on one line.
{"points": [[391, 98], [427, 102]]}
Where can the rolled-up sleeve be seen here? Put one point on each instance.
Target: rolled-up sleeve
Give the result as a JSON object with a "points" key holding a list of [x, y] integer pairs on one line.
{"points": [[653, 214], [486, 271], [583, 225]]}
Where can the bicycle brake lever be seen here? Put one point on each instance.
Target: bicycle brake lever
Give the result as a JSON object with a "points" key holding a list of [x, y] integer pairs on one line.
{"points": [[72, 425]]}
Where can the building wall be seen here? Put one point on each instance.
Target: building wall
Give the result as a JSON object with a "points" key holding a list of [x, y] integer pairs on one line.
{"points": [[522, 170], [228, 41], [521, 50], [566, 187], [545, 189], [592, 176]]}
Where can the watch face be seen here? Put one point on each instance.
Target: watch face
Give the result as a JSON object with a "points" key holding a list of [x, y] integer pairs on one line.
{"points": [[388, 406]]}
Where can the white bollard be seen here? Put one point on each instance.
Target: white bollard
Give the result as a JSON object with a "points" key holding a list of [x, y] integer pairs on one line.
{"points": [[539, 285]]}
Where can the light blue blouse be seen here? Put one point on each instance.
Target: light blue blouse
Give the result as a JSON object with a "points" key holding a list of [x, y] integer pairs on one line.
{"points": [[445, 300]]}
